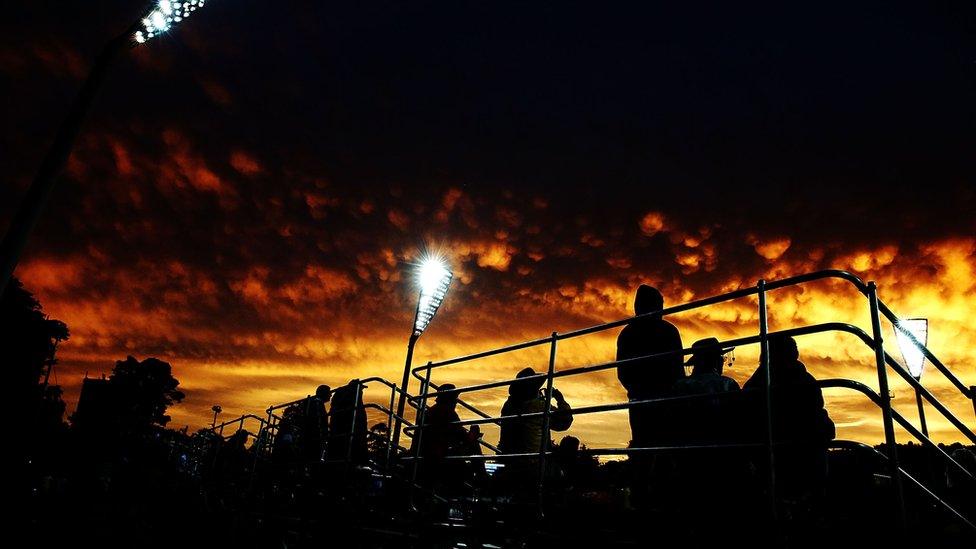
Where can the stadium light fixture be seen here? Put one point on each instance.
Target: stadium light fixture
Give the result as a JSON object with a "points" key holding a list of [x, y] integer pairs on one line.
{"points": [[216, 410], [433, 278], [164, 15], [913, 356], [159, 17]]}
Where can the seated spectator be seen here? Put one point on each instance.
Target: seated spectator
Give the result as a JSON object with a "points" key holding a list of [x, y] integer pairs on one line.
{"points": [[443, 437], [801, 427]]}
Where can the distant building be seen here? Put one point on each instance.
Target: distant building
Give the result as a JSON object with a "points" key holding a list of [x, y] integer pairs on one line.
{"points": [[97, 406]]}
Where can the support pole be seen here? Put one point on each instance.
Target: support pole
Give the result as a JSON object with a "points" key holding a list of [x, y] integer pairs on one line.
{"points": [[544, 445], [14, 241], [402, 403], [885, 393], [765, 364]]}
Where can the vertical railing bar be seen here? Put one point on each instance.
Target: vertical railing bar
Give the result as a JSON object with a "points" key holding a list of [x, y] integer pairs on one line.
{"points": [[544, 444], [389, 427], [418, 434], [352, 426], [765, 364], [972, 396], [885, 394], [921, 412]]}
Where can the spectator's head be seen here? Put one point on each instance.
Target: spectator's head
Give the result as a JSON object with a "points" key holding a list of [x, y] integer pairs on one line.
{"points": [[569, 445], [707, 356], [648, 300], [527, 385], [449, 399], [323, 393], [783, 350]]}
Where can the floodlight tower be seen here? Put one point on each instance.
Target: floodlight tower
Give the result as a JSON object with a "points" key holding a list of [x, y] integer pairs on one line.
{"points": [[216, 409], [434, 278], [160, 16], [913, 356]]}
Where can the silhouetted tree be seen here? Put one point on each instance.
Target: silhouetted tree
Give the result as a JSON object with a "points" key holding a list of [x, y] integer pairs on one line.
{"points": [[144, 390], [28, 341]]}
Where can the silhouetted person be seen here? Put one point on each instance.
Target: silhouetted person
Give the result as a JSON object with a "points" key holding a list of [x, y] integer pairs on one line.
{"points": [[706, 422], [702, 421], [348, 425], [648, 378], [961, 488], [442, 437], [801, 427], [315, 425], [519, 436]]}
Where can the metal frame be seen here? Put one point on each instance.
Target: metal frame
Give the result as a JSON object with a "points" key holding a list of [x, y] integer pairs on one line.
{"points": [[882, 399], [883, 360]]}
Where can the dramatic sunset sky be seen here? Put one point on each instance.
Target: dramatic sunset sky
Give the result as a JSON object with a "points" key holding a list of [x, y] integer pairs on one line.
{"points": [[250, 190]]}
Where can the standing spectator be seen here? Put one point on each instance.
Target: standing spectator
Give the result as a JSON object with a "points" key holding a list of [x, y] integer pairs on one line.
{"points": [[648, 377]]}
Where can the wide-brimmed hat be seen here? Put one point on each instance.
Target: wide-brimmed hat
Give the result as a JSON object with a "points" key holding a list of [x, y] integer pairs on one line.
{"points": [[448, 396], [706, 347], [529, 385]]}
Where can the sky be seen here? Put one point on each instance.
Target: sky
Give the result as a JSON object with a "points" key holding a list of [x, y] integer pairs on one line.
{"points": [[251, 191]]}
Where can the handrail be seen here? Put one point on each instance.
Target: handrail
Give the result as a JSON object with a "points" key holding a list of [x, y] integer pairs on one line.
{"points": [[237, 420], [730, 296], [855, 281], [907, 425], [854, 445], [876, 342], [805, 330]]}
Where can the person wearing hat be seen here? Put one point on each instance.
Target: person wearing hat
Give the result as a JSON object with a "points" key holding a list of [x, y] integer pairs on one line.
{"points": [[644, 377], [443, 437], [706, 421], [708, 359], [523, 436]]}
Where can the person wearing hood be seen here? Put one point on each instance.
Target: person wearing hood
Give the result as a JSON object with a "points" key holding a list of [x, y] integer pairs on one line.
{"points": [[524, 435], [645, 377], [802, 429]]}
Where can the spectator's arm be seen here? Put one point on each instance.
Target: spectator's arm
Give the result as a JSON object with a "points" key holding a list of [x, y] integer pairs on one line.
{"points": [[562, 417]]}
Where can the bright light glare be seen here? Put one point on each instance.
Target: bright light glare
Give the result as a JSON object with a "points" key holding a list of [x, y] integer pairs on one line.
{"points": [[434, 278], [910, 352], [164, 16], [432, 270]]}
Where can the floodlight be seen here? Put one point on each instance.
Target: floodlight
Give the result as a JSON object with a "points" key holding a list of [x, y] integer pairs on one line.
{"points": [[911, 352], [434, 278], [162, 18]]}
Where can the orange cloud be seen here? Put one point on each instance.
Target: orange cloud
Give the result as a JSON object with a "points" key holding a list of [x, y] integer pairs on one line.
{"points": [[245, 163], [652, 223]]}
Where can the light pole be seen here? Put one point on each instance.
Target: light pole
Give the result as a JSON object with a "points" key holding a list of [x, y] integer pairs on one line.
{"points": [[160, 17], [913, 356], [434, 278], [216, 410]]}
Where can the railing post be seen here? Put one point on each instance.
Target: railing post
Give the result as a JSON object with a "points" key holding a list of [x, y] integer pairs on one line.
{"points": [[885, 394], [544, 444], [765, 365], [389, 427], [418, 434], [921, 412], [972, 396], [352, 426]]}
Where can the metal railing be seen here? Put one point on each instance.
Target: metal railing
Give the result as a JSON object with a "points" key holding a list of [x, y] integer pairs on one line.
{"points": [[882, 398]]}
